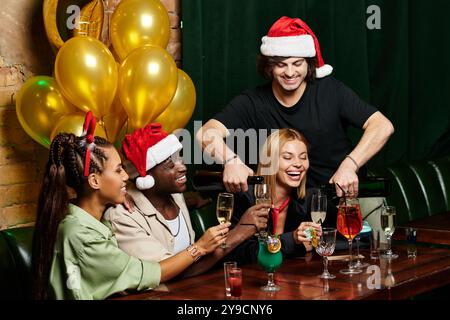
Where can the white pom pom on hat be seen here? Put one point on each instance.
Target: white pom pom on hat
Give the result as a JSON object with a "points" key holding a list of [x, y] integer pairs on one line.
{"points": [[144, 183]]}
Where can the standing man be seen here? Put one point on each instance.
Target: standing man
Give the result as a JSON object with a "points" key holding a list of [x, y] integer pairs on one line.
{"points": [[301, 95]]}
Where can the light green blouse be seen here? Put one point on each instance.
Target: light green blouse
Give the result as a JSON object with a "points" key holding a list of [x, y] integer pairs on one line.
{"points": [[88, 264]]}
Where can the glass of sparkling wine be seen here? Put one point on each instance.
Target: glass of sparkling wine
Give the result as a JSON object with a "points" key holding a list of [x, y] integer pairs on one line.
{"points": [[319, 207], [262, 195], [224, 211], [388, 223]]}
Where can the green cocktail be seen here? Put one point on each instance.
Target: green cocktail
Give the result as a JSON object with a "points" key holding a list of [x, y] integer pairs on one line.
{"points": [[270, 259]]}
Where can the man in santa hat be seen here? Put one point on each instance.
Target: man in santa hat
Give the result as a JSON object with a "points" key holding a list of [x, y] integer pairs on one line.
{"points": [[159, 225], [302, 95]]}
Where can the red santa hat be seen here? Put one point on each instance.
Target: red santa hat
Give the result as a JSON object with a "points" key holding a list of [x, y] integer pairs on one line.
{"points": [[145, 148], [291, 37]]}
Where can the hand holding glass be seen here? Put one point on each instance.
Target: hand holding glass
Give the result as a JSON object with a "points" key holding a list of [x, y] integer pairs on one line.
{"points": [[224, 211], [262, 195]]}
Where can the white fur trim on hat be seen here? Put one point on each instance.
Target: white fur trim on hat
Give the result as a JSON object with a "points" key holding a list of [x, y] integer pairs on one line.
{"points": [[162, 150], [145, 183], [293, 46], [324, 71]]}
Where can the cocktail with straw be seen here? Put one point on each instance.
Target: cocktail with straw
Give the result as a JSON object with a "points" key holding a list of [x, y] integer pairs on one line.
{"points": [[349, 224]]}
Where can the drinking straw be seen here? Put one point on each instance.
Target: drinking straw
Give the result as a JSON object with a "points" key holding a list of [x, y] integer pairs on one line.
{"points": [[343, 192]]}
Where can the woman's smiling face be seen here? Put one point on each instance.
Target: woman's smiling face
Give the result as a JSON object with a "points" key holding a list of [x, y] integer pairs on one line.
{"points": [[293, 163]]}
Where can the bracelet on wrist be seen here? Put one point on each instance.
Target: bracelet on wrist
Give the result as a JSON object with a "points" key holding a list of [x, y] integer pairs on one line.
{"points": [[230, 159], [194, 252], [354, 161]]}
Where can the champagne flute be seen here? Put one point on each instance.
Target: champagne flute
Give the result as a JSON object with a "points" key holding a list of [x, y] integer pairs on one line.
{"points": [[224, 211], [325, 248], [319, 207], [349, 224], [388, 222], [262, 195]]}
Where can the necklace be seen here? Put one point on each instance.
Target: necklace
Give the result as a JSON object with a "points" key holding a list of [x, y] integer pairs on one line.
{"points": [[178, 218], [178, 229]]}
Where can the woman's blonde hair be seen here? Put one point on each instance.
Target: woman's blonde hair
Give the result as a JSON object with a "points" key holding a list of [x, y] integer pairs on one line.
{"points": [[269, 157]]}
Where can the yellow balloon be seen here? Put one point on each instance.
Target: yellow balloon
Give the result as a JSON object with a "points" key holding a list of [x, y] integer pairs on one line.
{"points": [[139, 22], [87, 74], [91, 20], [39, 105], [147, 82], [115, 120], [56, 14], [73, 123], [180, 109], [49, 11]]}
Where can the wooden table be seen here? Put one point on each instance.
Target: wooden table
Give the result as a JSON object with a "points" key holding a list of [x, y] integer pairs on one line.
{"points": [[400, 279], [434, 229]]}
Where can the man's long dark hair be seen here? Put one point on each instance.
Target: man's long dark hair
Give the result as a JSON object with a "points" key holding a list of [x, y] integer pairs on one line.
{"points": [[265, 64], [65, 168]]}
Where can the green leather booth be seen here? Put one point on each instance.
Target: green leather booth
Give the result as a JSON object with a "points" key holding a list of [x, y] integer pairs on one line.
{"points": [[418, 189], [15, 263]]}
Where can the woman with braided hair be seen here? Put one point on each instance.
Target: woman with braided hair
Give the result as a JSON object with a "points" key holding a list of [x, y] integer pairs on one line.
{"points": [[75, 255]]}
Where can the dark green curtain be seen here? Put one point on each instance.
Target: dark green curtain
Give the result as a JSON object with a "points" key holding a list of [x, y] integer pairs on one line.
{"points": [[403, 68]]}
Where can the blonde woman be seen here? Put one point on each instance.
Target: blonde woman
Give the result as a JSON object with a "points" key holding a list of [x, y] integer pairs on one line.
{"points": [[284, 164]]}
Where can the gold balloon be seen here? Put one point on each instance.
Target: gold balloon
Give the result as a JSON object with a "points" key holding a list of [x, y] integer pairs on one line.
{"points": [[91, 20], [39, 105], [115, 120], [49, 12], [147, 82], [180, 109], [73, 123], [139, 22], [55, 18], [87, 74]]}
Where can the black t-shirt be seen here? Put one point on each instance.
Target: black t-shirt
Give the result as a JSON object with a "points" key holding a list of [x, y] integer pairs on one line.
{"points": [[322, 115]]}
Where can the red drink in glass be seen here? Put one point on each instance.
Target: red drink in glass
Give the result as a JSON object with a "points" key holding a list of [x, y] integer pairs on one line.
{"points": [[235, 286], [349, 224], [349, 220]]}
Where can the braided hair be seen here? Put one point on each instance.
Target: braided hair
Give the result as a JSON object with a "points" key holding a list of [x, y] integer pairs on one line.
{"points": [[65, 168]]}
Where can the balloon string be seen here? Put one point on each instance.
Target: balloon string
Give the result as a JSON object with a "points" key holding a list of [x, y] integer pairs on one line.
{"points": [[101, 123]]}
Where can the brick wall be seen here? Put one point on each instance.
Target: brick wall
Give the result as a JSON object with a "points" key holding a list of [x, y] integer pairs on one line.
{"points": [[24, 52]]}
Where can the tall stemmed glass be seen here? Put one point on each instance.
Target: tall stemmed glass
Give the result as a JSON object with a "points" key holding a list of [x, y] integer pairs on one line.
{"points": [[349, 224], [325, 248], [388, 223], [224, 211], [270, 259], [319, 207], [358, 264], [262, 195]]}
